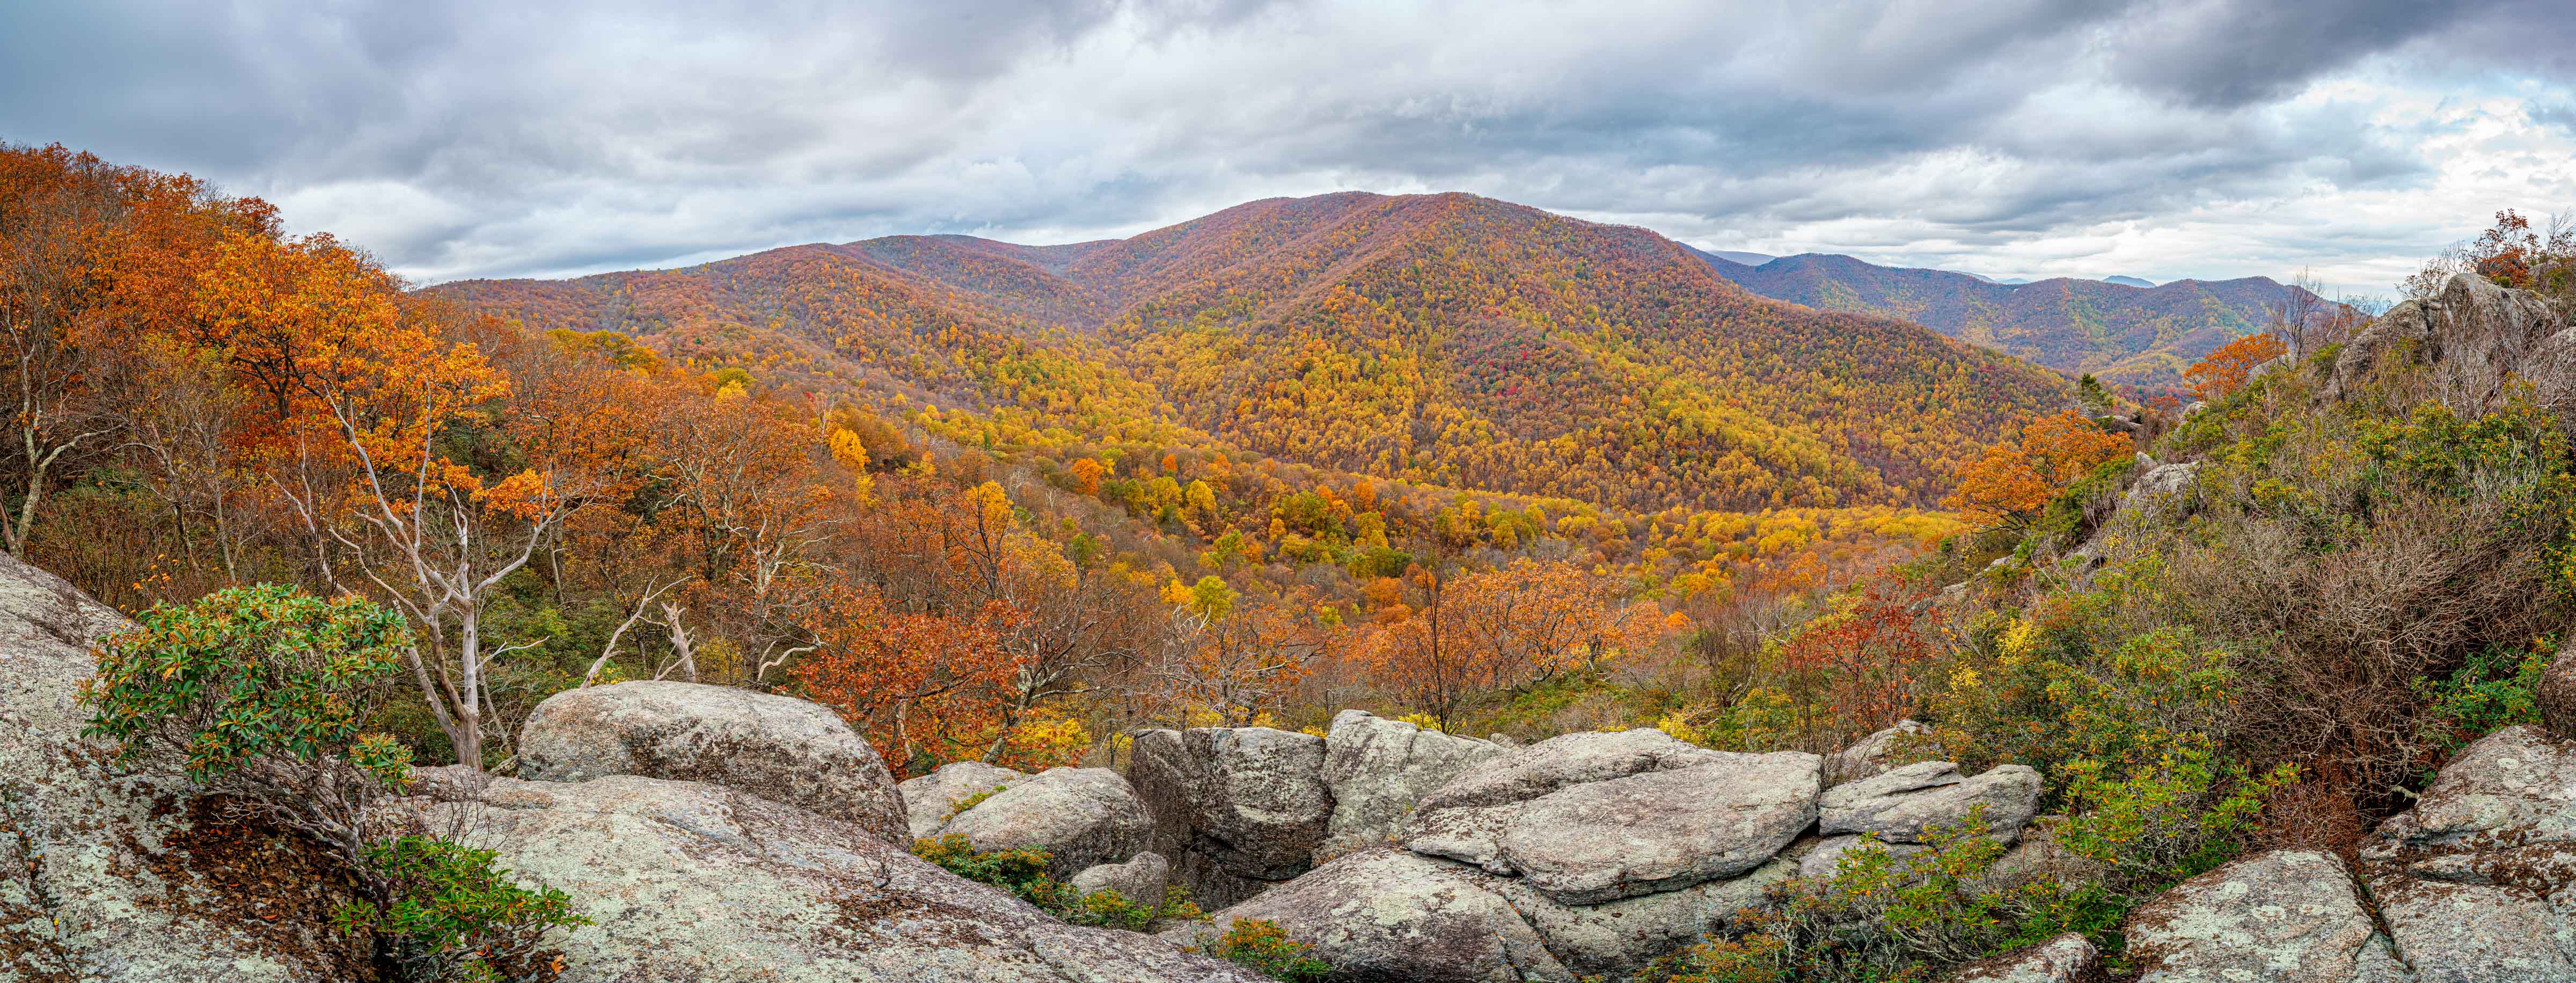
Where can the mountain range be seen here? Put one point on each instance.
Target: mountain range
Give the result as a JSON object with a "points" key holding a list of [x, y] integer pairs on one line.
{"points": [[1443, 339], [2123, 330]]}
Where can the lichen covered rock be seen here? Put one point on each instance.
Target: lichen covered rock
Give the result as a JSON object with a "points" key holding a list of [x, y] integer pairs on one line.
{"points": [[1080, 816], [2287, 916], [1236, 809], [1378, 770]]}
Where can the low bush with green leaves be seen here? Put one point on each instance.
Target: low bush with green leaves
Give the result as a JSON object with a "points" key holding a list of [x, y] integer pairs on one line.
{"points": [[1023, 873], [449, 915]]}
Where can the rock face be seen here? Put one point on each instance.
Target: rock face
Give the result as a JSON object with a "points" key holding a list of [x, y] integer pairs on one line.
{"points": [[2474, 883], [687, 881], [1595, 817], [2476, 336], [1900, 804], [930, 801], [2288, 916], [1141, 879], [1080, 816], [777, 747], [1874, 754], [1377, 771], [2068, 958], [1826, 857], [1386, 914], [116, 874], [1237, 809]]}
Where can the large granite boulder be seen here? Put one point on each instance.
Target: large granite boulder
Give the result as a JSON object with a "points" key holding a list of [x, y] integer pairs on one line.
{"points": [[1900, 804], [1378, 769], [1386, 914], [2478, 339], [2068, 958], [930, 801], [1236, 809], [1080, 816], [1141, 879], [2287, 916], [688, 881], [1877, 753], [111, 873], [780, 748], [1594, 817], [2474, 882]]}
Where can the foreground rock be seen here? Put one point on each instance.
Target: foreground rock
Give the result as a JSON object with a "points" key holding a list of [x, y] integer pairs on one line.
{"points": [[2068, 958], [780, 748], [688, 881], [930, 801], [1377, 770], [1901, 804], [1236, 809], [1593, 817], [2286, 916], [2475, 882], [1080, 816], [118, 874], [1386, 914]]}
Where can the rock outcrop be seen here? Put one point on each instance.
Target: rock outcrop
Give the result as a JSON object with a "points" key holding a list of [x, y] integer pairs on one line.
{"points": [[2474, 882], [113, 873], [1236, 809], [1594, 817], [2477, 337], [1141, 879], [2068, 958], [1901, 804], [1081, 817], [691, 881], [2287, 916], [1377, 771], [780, 748], [1877, 753], [930, 801]]}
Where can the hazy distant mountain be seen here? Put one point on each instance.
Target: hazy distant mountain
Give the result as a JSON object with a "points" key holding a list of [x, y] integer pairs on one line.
{"points": [[2128, 281], [2124, 330], [1748, 259]]}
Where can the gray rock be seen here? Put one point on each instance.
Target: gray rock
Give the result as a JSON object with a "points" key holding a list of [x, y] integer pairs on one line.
{"points": [[1236, 809], [110, 873], [930, 801], [2287, 916], [1878, 752], [1079, 816], [1394, 915], [2477, 337], [780, 748], [2475, 882], [1898, 805], [1378, 769], [2068, 958], [1826, 858], [1141, 879], [685, 881]]}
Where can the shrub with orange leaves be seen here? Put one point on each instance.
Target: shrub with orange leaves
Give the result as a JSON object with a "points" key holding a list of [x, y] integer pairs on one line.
{"points": [[2223, 372], [2011, 483]]}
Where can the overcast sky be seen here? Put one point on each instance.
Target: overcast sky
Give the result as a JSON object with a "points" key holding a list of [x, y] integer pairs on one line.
{"points": [[2210, 139]]}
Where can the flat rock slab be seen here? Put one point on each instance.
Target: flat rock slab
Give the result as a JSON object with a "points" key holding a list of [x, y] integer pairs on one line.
{"points": [[2477, 883], [1588, 818], [2286, 916], [1080, 816], [1900, 804], [930, 801], [780, 748]]}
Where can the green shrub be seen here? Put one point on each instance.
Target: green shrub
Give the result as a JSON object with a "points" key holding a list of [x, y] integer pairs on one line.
{"points": [[971, 801], [2496, 688], [449, 915], [2163, 821], [1262, 946], [1023, 873]]}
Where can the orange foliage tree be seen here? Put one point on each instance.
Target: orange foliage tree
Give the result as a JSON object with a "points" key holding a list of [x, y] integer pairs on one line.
{"points": [[2224, 371], [2012, 482], [923, 688], [1852, 671], [1497, 629]]}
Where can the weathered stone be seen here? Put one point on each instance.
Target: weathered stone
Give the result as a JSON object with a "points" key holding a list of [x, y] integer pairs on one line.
{"points": [[777, 747], [1378, 769], [2068, 958], [2477, 883], [2477, 933], [1898, 805], [1394, 915], [1592, 817], [1875, 754], [1079, 816], [2478, 338], [1236, 809], [117, 873], [685, 881], [1827, 856], [930, 801], [2287, 916], [2511, 788], [1141, 879]]}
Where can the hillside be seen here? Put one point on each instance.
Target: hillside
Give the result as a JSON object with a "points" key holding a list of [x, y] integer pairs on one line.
{"points": [[2144, 336], [1442, 339]]}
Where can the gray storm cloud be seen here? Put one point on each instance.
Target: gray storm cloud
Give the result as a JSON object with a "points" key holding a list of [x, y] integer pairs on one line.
{"points": [[2203, 137]]}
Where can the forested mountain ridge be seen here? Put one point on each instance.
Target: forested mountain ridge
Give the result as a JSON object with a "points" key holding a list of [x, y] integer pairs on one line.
{"points": [[2143, 336], [1445, 339]]}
